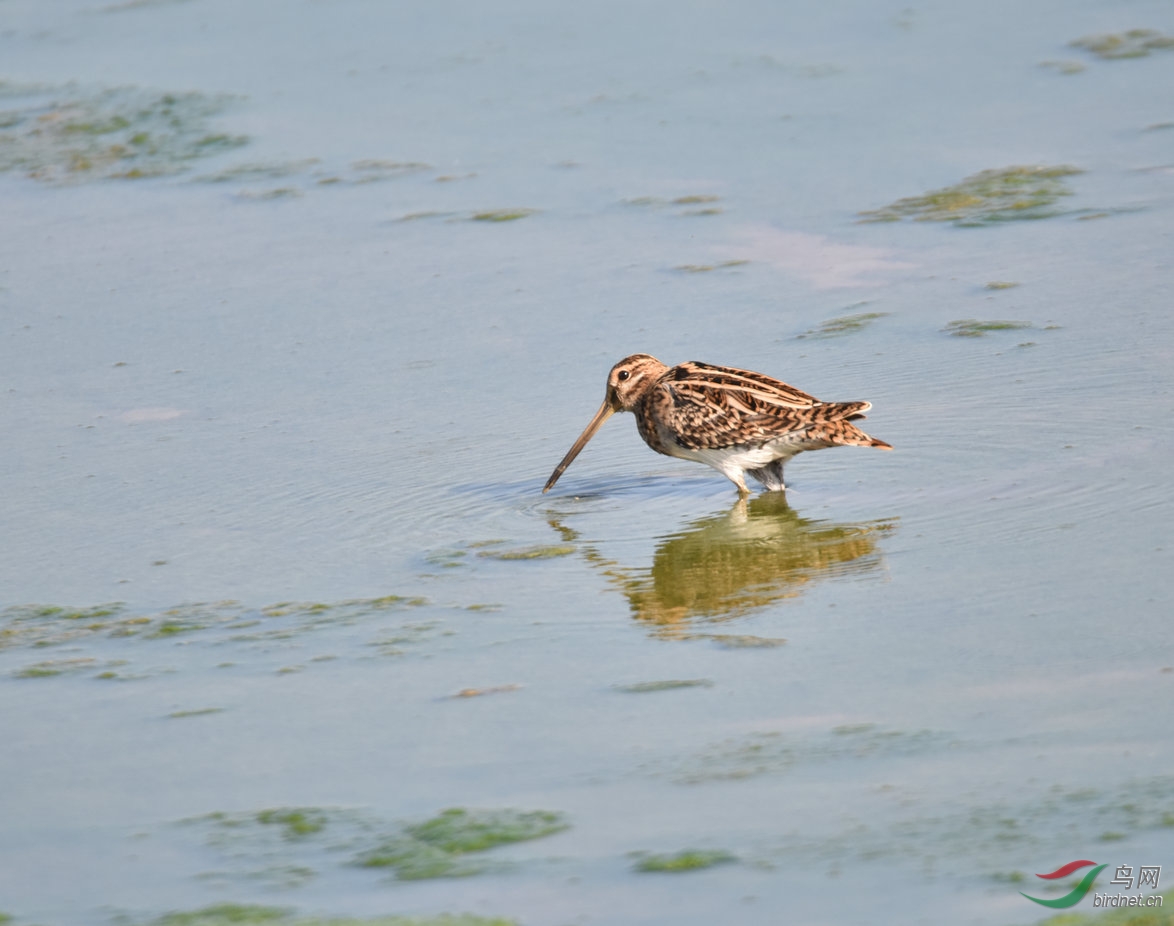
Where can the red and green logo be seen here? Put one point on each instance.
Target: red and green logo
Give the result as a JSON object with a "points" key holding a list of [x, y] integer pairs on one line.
{"points": [[1076, 895]]}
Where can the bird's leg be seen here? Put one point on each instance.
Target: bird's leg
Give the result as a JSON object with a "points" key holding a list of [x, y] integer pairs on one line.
{"points": [[735, 474], [776, 470], [771, 476]]}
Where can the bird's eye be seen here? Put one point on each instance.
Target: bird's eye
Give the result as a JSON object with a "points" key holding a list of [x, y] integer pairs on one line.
{"points": [[622, 375]]}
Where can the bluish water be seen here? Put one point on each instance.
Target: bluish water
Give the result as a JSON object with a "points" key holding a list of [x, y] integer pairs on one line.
{"points": [[295, 367]]}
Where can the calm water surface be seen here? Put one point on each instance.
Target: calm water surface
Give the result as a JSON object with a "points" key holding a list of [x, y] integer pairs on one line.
{"points": [[303, 301]]}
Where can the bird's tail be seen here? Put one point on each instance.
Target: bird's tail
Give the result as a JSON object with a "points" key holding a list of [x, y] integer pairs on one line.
{"points": [[844, 433]]}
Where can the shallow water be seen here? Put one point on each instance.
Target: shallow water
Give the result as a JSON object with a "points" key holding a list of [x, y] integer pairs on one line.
{"points": [[317, 349]]}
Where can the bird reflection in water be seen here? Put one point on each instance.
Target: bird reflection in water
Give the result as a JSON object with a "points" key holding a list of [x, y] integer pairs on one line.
{"points": [[727, 566]]}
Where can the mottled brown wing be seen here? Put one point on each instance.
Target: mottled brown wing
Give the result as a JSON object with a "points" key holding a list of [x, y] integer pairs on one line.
{"points": [[714, 407], [749, 391]]}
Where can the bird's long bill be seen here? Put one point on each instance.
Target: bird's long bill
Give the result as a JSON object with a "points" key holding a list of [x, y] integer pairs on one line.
{"points": [[605, 412]]}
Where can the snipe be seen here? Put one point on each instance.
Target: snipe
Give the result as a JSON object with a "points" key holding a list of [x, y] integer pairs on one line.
{"points": [[740, 423]]}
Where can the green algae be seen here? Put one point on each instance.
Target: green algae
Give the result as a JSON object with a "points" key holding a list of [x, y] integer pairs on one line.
{"points": [[698, 199], [283, 192], [772, 753], [412, 860], [458, 830], [174, 627], [40, 627], [36, 625], [987, 198], [197, 712], [707, 268], [665, 685], [278, 839], [546, 551], [223, 915], [299, 821], [50, 668], [275, 844], [501, 215], [255, 915], [1008, 877], [1134, 43], [73, 614], [252, 172], [971, 836], [481, 692], [1064, 66], [295, 822], [370, 169], [842, 325], [70, 134], [281, 847], [973, 328], [408, 634], [447, 559], [110, 675], [285, 608], [414, 216], [438, 847], [685, 860], [851, 729]]}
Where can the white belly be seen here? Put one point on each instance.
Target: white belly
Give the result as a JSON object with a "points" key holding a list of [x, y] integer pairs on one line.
{"points": [[737, 458]]}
